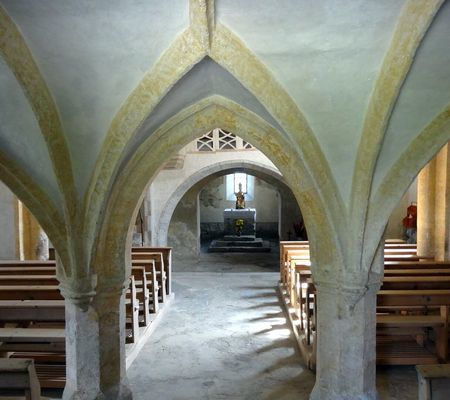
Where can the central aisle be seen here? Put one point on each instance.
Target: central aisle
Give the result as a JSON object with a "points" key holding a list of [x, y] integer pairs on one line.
{"points": [[224, 337]]}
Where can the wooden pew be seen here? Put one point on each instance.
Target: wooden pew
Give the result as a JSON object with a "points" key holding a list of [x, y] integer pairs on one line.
{"points": [[153, 283], [416, 282], [142, 294], [12, 280], [420, 264], [413, 332], [32, 310], [28, 270], [391, 245], [35, 341], [426, 299], [417, 274], [434, 297], [132, 313], [158, 259], [30, 292], [434, 381], [291, 255], [32, 335], [284, 246], [167, 258], [12, 274], [26, 263], [20, 375], [36, 306]]}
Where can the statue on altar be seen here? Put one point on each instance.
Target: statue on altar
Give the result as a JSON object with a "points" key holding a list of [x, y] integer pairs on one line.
{"points": [[240, 198]]}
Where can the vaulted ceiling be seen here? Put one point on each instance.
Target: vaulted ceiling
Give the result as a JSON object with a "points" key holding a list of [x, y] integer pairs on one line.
{"points": [[326, 55]]}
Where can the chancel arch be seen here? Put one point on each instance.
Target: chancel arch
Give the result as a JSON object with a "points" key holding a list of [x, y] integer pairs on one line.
{"points": [[207, 174], [196, 120]]}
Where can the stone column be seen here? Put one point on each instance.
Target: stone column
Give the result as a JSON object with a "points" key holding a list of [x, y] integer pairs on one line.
{"points": [[426, 210], [109, 304], [82, 351], [346, 343], [95, 344], [442, 211], [346, 332]]}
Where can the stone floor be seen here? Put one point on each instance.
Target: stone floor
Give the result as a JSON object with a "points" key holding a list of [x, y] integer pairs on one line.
{"points": [[226, 337]]}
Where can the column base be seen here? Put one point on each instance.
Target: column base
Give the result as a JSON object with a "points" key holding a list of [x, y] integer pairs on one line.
{"points": [[324, 394], [72, 394], [119, 392]]}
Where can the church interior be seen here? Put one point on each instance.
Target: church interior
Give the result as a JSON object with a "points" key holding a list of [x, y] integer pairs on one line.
{"points": [[210, 199]]}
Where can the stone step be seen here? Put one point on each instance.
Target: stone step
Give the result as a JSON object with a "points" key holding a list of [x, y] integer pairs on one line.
{"points": [[246, 238], [240, 249], [237, 243]]}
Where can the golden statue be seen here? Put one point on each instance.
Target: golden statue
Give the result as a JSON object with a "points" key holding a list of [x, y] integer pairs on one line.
{"points": [[240, 198]]}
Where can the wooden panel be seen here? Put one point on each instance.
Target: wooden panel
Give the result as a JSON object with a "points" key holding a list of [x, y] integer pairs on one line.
{"points": [[32, 335]]}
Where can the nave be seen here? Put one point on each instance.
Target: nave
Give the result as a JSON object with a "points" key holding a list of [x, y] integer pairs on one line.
{"points": [[226, 337]]}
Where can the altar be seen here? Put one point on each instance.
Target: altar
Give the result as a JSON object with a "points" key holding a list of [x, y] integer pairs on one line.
{"points": [[239, 222]]}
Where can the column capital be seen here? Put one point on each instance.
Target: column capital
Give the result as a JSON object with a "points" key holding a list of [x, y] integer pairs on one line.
{"points": [[79, 291], [350, 292], [112, 287]]}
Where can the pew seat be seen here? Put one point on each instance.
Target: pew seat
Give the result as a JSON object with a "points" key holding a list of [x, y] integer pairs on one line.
{"points": [[32, 335], [403, 351], [434, 381], [20, 375], [32, 310]]}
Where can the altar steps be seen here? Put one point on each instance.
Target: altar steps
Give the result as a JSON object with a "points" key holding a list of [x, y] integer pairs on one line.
{"points": [[239, 244]]}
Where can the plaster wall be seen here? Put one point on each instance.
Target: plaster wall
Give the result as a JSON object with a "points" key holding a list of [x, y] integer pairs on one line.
{"points": [[113, 47], [8, 232], [395, 229], [322, 67], [20, 135], [184, 228], [424, 94], [167, 181], [213, 201]]}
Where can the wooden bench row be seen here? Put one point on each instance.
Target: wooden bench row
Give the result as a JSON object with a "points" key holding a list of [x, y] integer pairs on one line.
{"points": [[393, 253], [413, 303], [32, 311]]}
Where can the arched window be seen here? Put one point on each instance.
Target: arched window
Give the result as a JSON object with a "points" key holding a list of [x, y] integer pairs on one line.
{"points": [[240, 179], [232, 185]]}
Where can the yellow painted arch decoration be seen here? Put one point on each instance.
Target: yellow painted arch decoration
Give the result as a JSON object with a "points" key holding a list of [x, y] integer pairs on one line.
{"points": [[21, 62], [36, 201], [419, 152], [229, 52], [175, 133]]}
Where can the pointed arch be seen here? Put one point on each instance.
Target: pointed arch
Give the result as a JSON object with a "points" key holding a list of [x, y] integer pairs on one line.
{"points": [[421, 150], [217, 169], [231, 53], [414, 21], [40, 205], [177, 60], [176, 133], [19, 58]]}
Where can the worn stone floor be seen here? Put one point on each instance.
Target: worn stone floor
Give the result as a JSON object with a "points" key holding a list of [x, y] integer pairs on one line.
{"points": [[225, 337]]}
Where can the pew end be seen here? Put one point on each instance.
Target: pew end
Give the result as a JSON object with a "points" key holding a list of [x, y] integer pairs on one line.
{"points": [[20, 374]]}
